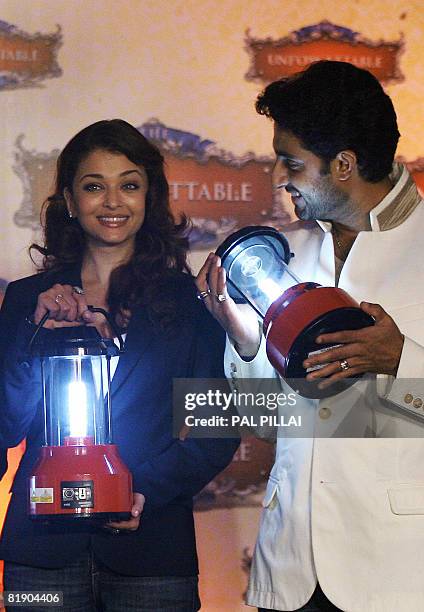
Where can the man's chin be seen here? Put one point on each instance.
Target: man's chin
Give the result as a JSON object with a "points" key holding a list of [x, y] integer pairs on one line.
{"points": [[301, 213]]}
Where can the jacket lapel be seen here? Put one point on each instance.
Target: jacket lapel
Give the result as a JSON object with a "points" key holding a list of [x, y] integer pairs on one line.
{"points": [[68, 276], [139, 336]]}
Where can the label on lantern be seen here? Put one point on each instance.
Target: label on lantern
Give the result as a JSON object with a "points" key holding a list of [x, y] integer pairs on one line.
{"points": [[77, 494], [41, 495]]}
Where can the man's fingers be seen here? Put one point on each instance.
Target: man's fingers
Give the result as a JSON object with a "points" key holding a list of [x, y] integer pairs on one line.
{"points": [[340, 353], [336, 370], [375, 310], [342, 337]]}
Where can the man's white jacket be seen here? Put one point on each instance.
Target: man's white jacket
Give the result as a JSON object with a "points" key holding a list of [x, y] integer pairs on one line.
{"points": [[349, 511]]}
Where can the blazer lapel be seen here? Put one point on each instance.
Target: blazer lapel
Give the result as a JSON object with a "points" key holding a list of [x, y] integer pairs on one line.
{"points": [[139, 336], [71, 275]]}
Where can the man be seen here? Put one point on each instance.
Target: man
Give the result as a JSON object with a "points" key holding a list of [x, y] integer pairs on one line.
{"points": [[343, 519]]}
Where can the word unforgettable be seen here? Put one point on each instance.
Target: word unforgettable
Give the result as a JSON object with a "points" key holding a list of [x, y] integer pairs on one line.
{"points": [[18, 55], [263, 420], [215, 192], [222, 400], [362, 61]]}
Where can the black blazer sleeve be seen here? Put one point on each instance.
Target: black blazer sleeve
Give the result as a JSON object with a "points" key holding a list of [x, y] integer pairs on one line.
{"points": [[186, 466], [20, 382]]}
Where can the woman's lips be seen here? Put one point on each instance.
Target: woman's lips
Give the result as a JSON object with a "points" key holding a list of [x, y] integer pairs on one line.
{"points": [[115, 221]]}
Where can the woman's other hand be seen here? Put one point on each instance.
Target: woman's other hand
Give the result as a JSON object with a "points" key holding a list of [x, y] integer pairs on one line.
{"points": [[133, 523], [65, 304]]}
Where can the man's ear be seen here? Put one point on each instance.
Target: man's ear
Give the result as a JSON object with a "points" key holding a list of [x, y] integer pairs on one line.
{"points": [[344, 165], [69, 202]]}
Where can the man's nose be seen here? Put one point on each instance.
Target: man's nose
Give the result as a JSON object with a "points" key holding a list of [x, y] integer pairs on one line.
{"points": [[279, 175]]}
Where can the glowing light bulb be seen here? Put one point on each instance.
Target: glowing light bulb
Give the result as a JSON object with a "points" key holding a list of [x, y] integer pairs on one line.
{"points": [[271, 289], [77, 408]]}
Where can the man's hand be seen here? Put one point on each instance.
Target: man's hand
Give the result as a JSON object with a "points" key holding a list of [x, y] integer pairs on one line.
{"points": [[133, 523], [375, 349], [240, 323]]}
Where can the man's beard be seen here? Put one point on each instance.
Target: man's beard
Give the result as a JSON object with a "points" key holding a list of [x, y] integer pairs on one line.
{"points": [[325, 202]]}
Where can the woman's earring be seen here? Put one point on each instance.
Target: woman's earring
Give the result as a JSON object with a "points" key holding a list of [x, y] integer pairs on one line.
{"points": [[71, 216]]}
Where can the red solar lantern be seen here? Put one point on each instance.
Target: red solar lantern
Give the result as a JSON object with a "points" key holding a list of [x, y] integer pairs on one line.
{"points": [[79, 473], [294, 313]]}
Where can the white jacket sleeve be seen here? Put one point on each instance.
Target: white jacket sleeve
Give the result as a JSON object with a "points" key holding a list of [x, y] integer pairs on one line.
{"points": [[407, 389], [256, 377]]}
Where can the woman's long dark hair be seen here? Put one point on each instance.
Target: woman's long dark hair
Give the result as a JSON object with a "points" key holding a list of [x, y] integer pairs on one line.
{"points": [[161, 244]]}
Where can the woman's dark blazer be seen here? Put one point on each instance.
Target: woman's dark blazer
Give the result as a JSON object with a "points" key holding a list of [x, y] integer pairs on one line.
{"points": [[166, 470]]}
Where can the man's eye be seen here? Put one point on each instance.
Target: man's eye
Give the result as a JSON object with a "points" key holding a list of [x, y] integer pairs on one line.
{"points": [[292, 166]]}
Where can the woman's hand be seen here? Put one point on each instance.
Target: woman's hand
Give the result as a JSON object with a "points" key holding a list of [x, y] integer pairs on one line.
{"points": [[133, 523], [239, 322], [66, 306]]}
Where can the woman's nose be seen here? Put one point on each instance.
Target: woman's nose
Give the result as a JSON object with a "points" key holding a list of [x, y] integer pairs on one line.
{"points": [[112, 198]]}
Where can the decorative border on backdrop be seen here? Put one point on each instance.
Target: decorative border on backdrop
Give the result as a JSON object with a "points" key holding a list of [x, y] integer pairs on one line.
{"points": [[219, 191], [36, 171], [416, 168], [27, 59], [242, 484], [273, 59]]}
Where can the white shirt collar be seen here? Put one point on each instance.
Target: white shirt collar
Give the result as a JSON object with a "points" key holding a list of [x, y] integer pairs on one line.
{"points": [[399, 177]]}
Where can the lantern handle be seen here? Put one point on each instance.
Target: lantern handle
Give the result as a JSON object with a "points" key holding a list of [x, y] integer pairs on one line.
{"points": [[112, 324], [106, 315], [37, 329]]}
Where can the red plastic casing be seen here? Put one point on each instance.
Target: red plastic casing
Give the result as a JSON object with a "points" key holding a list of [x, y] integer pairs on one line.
{"points": [[101, 464], [293, 312]]}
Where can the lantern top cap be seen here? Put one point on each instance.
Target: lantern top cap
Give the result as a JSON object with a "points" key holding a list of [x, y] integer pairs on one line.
{"points": [[67, 341], [253, 231]]}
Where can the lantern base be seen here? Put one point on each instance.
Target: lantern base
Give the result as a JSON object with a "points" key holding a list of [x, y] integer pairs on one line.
{"points": [[296, 319], [80, 482], [98, 517], [304, 345]]}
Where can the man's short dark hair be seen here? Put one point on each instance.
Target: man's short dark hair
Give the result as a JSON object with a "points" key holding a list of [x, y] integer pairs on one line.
{"points": [[334, 106]]}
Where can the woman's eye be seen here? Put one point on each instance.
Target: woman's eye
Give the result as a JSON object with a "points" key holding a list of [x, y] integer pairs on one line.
{"points": [[92, 187], [131, 186]]}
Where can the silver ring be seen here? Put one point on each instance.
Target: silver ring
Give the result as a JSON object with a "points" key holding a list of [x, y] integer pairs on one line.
{"points": [[202, 295], [78, 290], [58, 298], [344, 365], [220, 297]]}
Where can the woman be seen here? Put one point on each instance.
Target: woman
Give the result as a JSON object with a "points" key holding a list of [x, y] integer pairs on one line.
{"points": [[111, 241]]}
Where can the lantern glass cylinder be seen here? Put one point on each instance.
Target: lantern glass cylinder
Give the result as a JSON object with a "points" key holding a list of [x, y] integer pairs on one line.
{"points": [[255, 260], [74, 390]]}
